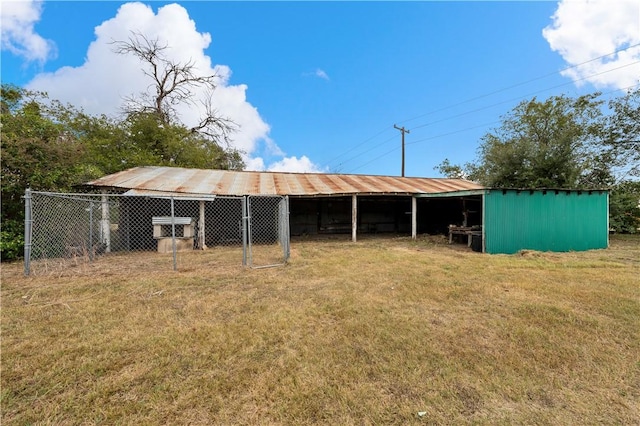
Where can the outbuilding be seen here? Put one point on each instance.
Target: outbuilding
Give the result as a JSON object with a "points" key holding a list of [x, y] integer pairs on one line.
{"points": [[492, 220]]}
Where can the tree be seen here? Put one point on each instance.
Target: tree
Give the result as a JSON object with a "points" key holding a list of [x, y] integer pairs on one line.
{"points": [[540, 144], [624, 207], [42, 150], [172, 145], [622, 134], [453, 171], [176, 83]]}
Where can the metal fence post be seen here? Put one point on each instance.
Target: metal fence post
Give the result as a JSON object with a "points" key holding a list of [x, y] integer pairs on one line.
{"points": [[283, 226], [202, 245], [286, 230], [90, 232], [245, 224], [105, 228], [28, 224], [173, 234]]}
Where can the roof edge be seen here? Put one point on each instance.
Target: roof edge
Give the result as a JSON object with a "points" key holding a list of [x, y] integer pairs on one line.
{"points": [[463, 193]]}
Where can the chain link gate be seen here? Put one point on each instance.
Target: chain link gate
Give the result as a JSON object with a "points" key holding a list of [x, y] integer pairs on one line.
{"points": [[267, 231], [68, 230]]}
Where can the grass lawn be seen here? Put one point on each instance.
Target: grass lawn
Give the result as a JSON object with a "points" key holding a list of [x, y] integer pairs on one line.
{"points": [[383, 331]]}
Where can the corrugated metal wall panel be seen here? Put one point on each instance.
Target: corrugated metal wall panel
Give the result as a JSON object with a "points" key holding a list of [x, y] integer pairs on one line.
{"points": [[545, 220]]}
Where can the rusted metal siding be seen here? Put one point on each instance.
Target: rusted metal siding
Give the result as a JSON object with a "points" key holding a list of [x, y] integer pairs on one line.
{"points": [[224, 182]]}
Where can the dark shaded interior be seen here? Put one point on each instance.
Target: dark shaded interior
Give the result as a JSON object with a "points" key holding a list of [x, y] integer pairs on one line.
{"points": [[332, 215], [436, 214], [382, 214]]}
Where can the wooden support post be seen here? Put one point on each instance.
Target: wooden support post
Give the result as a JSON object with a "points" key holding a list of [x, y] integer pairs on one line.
{"points": [[201, 231], [354, 218], [414, 218]]}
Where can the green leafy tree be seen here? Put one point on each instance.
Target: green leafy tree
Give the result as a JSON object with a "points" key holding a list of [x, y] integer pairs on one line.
{"points": [[541, 144], [621, 134], [40, 150], [40, 147], [152, 143], [452, 171], [624, 207]]}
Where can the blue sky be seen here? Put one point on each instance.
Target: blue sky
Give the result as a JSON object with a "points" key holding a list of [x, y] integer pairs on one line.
{"points": [[318, 86]]}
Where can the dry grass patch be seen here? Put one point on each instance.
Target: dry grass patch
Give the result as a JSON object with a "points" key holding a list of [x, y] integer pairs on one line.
{"points": [[367, 333]]}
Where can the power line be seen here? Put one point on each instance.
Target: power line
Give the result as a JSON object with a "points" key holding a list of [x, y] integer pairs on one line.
{"points": [[525, 82], [377, 158], [524, 96], [518, 98], [486, 107], [515, 99], [357, 146], [422, 140], [457, 131], [454, 132], [364, 152]]}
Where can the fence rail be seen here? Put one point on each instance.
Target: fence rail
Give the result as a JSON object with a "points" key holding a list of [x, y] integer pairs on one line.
{"points": [[67, 229]]}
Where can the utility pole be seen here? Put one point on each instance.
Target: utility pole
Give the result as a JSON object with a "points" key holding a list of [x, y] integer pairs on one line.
{"points": [[403, 130]]}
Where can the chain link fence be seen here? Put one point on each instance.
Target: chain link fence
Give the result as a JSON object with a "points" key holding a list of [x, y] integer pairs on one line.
{"points": [[64, 230], [268, 228]]}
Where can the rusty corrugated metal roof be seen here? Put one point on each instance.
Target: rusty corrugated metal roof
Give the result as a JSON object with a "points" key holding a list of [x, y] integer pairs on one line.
{"points": [[169, 180]]}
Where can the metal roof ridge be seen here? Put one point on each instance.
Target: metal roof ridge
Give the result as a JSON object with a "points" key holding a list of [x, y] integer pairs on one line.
{"points": [[301, 173]]}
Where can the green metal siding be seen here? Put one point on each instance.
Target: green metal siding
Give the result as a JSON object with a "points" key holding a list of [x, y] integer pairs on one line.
{"points": [[545, 220]]}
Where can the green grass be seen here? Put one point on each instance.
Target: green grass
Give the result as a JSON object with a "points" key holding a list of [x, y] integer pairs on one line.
{"points": [[368, 333]]}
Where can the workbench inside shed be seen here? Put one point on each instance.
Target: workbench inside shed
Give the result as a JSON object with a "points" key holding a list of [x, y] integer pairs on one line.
{"points": [[471, 232]]}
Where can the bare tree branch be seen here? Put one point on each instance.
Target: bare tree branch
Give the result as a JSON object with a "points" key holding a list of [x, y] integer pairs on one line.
{"points": [[174, 84]]}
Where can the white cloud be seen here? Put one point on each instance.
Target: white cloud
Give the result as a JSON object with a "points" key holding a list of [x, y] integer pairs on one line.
{"points": [[322, 74], [254, 164], [294, 164], [17, 19], [583, 30], [106, 78], [273, 149]]}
